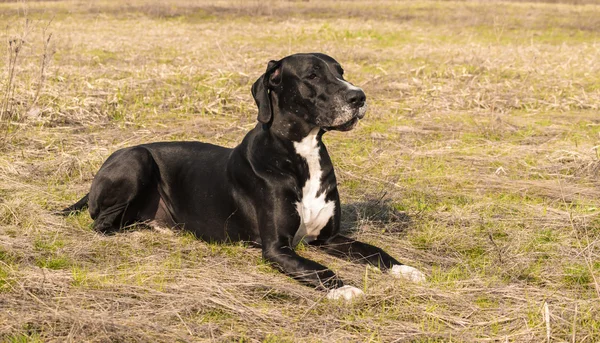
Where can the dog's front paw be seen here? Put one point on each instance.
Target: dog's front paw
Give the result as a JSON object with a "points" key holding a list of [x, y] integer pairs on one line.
{"points": [[407, 272], [345, 292]]}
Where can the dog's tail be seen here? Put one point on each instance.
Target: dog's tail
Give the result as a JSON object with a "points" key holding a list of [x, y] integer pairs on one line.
{"points": [[76, 207]]}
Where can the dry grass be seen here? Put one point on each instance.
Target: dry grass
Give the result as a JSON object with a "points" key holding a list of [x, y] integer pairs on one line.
{"points": [[478, 162]]}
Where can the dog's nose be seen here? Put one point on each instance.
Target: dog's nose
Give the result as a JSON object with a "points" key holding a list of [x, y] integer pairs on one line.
{"points": [[356, 97]]}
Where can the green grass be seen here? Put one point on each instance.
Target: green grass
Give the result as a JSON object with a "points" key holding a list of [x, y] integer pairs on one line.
{"points": [[5, 281], [477, 162], [23, 338]]}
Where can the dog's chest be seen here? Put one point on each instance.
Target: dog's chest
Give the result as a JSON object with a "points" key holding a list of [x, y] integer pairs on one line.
{"points": [[313, 209]]}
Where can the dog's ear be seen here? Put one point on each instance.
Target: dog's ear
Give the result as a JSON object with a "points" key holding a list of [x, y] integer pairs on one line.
{"points": [[260, 90]]}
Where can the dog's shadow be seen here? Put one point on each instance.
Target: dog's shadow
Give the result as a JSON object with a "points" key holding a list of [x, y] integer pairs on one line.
{"points": [[376, 212]]}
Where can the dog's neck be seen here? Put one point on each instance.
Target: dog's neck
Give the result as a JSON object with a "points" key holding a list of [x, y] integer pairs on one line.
{"points": [[291, 126]]}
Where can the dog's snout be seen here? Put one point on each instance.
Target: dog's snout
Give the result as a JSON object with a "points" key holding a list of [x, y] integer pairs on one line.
{"points": [[356, 97]]}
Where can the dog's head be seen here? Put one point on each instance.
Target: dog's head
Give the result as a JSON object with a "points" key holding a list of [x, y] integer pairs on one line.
{"points": [[310, 87]]}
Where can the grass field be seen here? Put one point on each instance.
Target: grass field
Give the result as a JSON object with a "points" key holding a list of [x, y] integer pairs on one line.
{"points": [[478, 162]]}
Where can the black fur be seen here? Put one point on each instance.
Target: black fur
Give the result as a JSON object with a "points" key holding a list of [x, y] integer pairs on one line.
{"points": [[249, 192]]}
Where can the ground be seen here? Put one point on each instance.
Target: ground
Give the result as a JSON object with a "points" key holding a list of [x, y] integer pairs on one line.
{"points": [[478, 162]]}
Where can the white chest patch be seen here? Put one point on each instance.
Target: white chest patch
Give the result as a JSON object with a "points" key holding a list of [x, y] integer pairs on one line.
{"points": [[314, 211]]}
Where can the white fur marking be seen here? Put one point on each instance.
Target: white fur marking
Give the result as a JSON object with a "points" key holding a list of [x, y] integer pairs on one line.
{"points": [[407, 272], [314, 211], [345, 292], [349, 85]]}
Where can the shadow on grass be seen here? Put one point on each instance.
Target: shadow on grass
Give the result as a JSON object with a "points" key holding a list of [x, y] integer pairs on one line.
{"points": [[376, 212]]}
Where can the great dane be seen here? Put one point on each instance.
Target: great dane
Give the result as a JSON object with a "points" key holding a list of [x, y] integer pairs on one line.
{"points": [[275, 189]]}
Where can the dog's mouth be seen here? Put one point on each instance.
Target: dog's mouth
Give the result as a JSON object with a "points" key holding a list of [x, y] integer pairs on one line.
{"points": [[347, 126], [350, 124]]}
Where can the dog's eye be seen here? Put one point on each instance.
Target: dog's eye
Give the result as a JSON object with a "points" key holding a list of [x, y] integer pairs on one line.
{"points": [[312, 76]]}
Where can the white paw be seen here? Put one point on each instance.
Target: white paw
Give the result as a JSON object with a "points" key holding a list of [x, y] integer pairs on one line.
{"points": [[345, 292], [407, 272]]}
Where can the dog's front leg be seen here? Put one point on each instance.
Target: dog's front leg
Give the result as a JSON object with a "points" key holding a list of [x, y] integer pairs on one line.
{"points": [[348, 248], [309, 272]]}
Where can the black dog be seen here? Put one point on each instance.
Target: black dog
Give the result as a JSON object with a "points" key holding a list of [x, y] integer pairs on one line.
{"points": [[275, 189]]}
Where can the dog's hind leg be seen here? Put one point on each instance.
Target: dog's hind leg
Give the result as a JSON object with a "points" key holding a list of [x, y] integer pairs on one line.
{"points": [[76, 207], [123, 189]]}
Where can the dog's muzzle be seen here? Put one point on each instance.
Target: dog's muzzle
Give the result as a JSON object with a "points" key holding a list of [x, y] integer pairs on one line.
{"points": [[357, 114]]}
